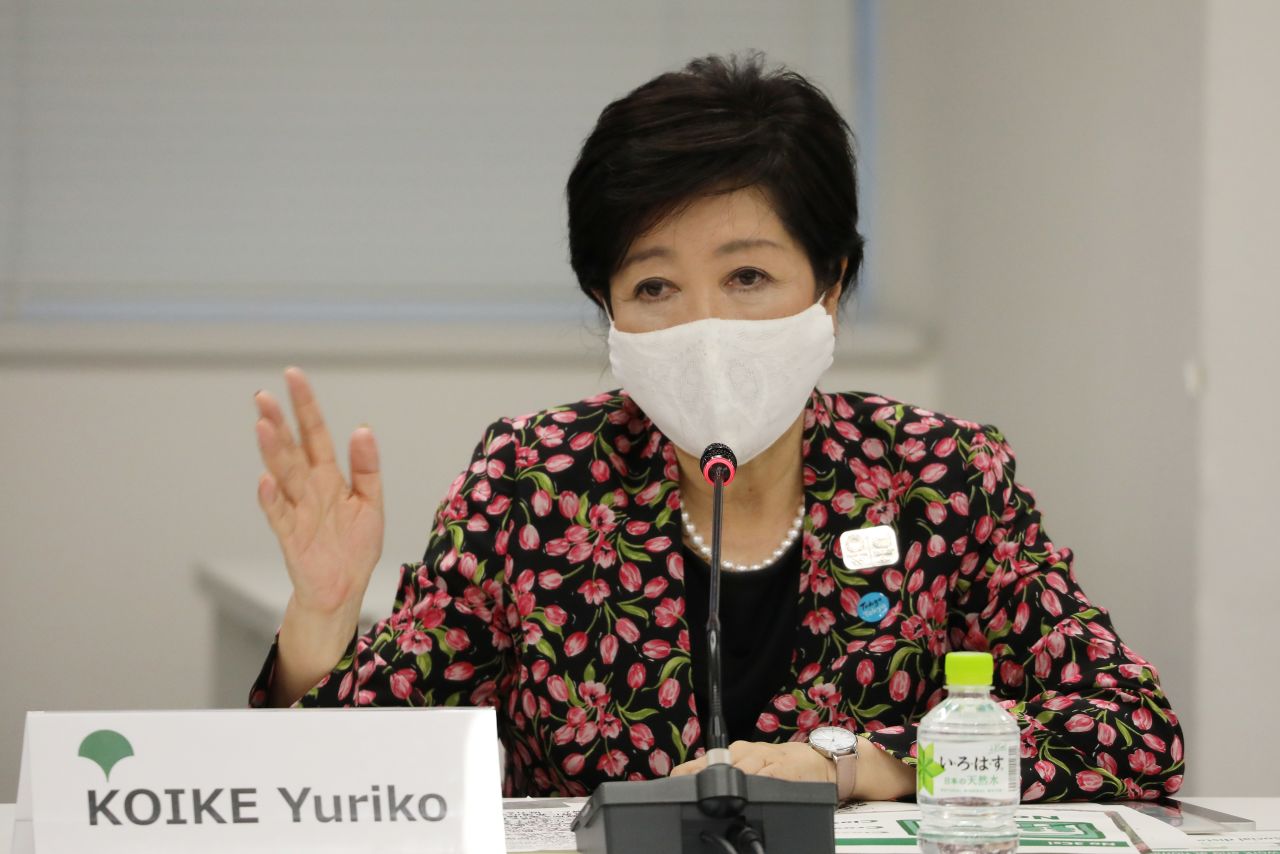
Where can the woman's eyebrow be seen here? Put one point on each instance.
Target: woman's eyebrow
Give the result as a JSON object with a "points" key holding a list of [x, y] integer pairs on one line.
{"points": [[746, 243], [644, 255], [724, 249]]}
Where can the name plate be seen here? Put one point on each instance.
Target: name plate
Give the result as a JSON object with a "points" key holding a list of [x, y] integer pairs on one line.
{"points": [[422, 780]]}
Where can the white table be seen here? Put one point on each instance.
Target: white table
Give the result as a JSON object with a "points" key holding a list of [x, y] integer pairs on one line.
{"points": [[247, 599], [1264, 811]]}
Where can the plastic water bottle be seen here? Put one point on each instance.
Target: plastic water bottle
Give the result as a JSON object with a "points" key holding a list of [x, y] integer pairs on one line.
{"points": [[968, 777]]}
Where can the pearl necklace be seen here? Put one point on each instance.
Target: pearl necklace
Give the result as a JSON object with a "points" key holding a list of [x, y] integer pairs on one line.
{"points": [[796, 527]]}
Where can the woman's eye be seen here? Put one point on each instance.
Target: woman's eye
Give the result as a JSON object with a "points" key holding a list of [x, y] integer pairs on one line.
{"points": [[651, 289], [750, 277]]}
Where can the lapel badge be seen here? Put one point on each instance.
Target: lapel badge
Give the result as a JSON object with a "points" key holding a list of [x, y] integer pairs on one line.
{"points": [[864, 548], [873, 607]]}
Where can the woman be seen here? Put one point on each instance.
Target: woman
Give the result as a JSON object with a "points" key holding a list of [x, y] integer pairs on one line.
{"points": [[713, 217]]}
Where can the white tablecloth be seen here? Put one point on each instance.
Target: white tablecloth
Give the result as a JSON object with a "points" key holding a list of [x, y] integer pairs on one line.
{"points": [[1264, 811]]}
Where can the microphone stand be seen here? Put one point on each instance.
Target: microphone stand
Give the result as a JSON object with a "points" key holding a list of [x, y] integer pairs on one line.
{"points": [[719, 809], [716, 735]]}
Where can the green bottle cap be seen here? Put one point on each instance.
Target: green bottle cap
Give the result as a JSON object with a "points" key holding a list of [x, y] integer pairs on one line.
{"points": [[969, 668]]}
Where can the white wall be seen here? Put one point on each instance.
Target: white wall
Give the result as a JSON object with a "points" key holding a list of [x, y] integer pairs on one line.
{"points": [[1237, 589], [1086, 196]]}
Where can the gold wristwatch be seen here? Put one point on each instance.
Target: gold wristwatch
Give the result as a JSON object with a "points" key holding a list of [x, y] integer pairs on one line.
{"points": [[841, 747]]}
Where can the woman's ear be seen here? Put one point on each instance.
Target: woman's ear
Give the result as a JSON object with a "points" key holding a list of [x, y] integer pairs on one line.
{"points": [[831, 299]]}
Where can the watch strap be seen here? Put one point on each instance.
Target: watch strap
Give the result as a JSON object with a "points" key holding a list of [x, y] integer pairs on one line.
{"points": [[846, 774]]}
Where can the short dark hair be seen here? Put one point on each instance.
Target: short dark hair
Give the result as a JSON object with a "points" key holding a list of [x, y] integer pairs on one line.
{"points": [[718, 125]]}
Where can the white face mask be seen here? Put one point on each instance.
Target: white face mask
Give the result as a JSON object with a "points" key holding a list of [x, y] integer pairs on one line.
{"points": [[740, 382]]}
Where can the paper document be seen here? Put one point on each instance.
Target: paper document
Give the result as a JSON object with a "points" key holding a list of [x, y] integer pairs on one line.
{"points": [[1242, 842], [539, 825], [1155, 832], [880, 828]]}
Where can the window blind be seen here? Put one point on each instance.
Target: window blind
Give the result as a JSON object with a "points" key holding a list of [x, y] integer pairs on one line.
{"points": [[186, 158]]}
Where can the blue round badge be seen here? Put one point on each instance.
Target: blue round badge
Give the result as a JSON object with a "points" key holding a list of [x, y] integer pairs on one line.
{"points": [[873, 607]]}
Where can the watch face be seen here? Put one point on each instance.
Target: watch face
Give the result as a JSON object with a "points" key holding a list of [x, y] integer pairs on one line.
{"points": [[833, 739]]}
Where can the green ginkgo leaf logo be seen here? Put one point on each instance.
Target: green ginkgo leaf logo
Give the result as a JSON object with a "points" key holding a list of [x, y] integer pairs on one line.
{"points": [[926, 769], [105, 748]]}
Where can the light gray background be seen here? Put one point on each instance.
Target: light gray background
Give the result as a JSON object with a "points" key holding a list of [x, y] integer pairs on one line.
{"points": [[1073, 213]]}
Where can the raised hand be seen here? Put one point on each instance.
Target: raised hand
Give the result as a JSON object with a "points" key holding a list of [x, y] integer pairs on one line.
{"points": [[329, 531]]}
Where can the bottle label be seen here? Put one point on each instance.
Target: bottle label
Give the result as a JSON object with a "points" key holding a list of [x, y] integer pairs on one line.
{"points": [[968, 768]]}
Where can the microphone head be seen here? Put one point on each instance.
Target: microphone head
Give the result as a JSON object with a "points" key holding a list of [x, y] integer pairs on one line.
{"points": [[715, 456]]}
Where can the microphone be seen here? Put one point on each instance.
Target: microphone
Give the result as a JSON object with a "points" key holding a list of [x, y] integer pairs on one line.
{"points": [[719, 465], [719, 459], [720, 807]]}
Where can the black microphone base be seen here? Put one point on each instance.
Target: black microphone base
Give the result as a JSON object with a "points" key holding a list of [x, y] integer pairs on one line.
{"points": [[670, 816]]}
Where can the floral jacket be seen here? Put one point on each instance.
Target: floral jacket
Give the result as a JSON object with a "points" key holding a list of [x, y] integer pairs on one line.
{"points": [[553, 589]]}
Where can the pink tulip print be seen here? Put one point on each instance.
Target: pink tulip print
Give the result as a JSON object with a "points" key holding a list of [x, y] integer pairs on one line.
{"points": [[554, 588]]}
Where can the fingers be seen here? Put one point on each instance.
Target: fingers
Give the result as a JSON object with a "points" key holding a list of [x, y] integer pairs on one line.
{"points": [[269, 408], [789, 761], [280, 514], [292, 466], [693, 766], [749, 756], [782, 771], [366, 477], [316, 441], [283, 459]]}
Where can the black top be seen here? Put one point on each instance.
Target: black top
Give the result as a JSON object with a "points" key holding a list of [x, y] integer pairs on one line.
{"points": [[757, 635]]}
